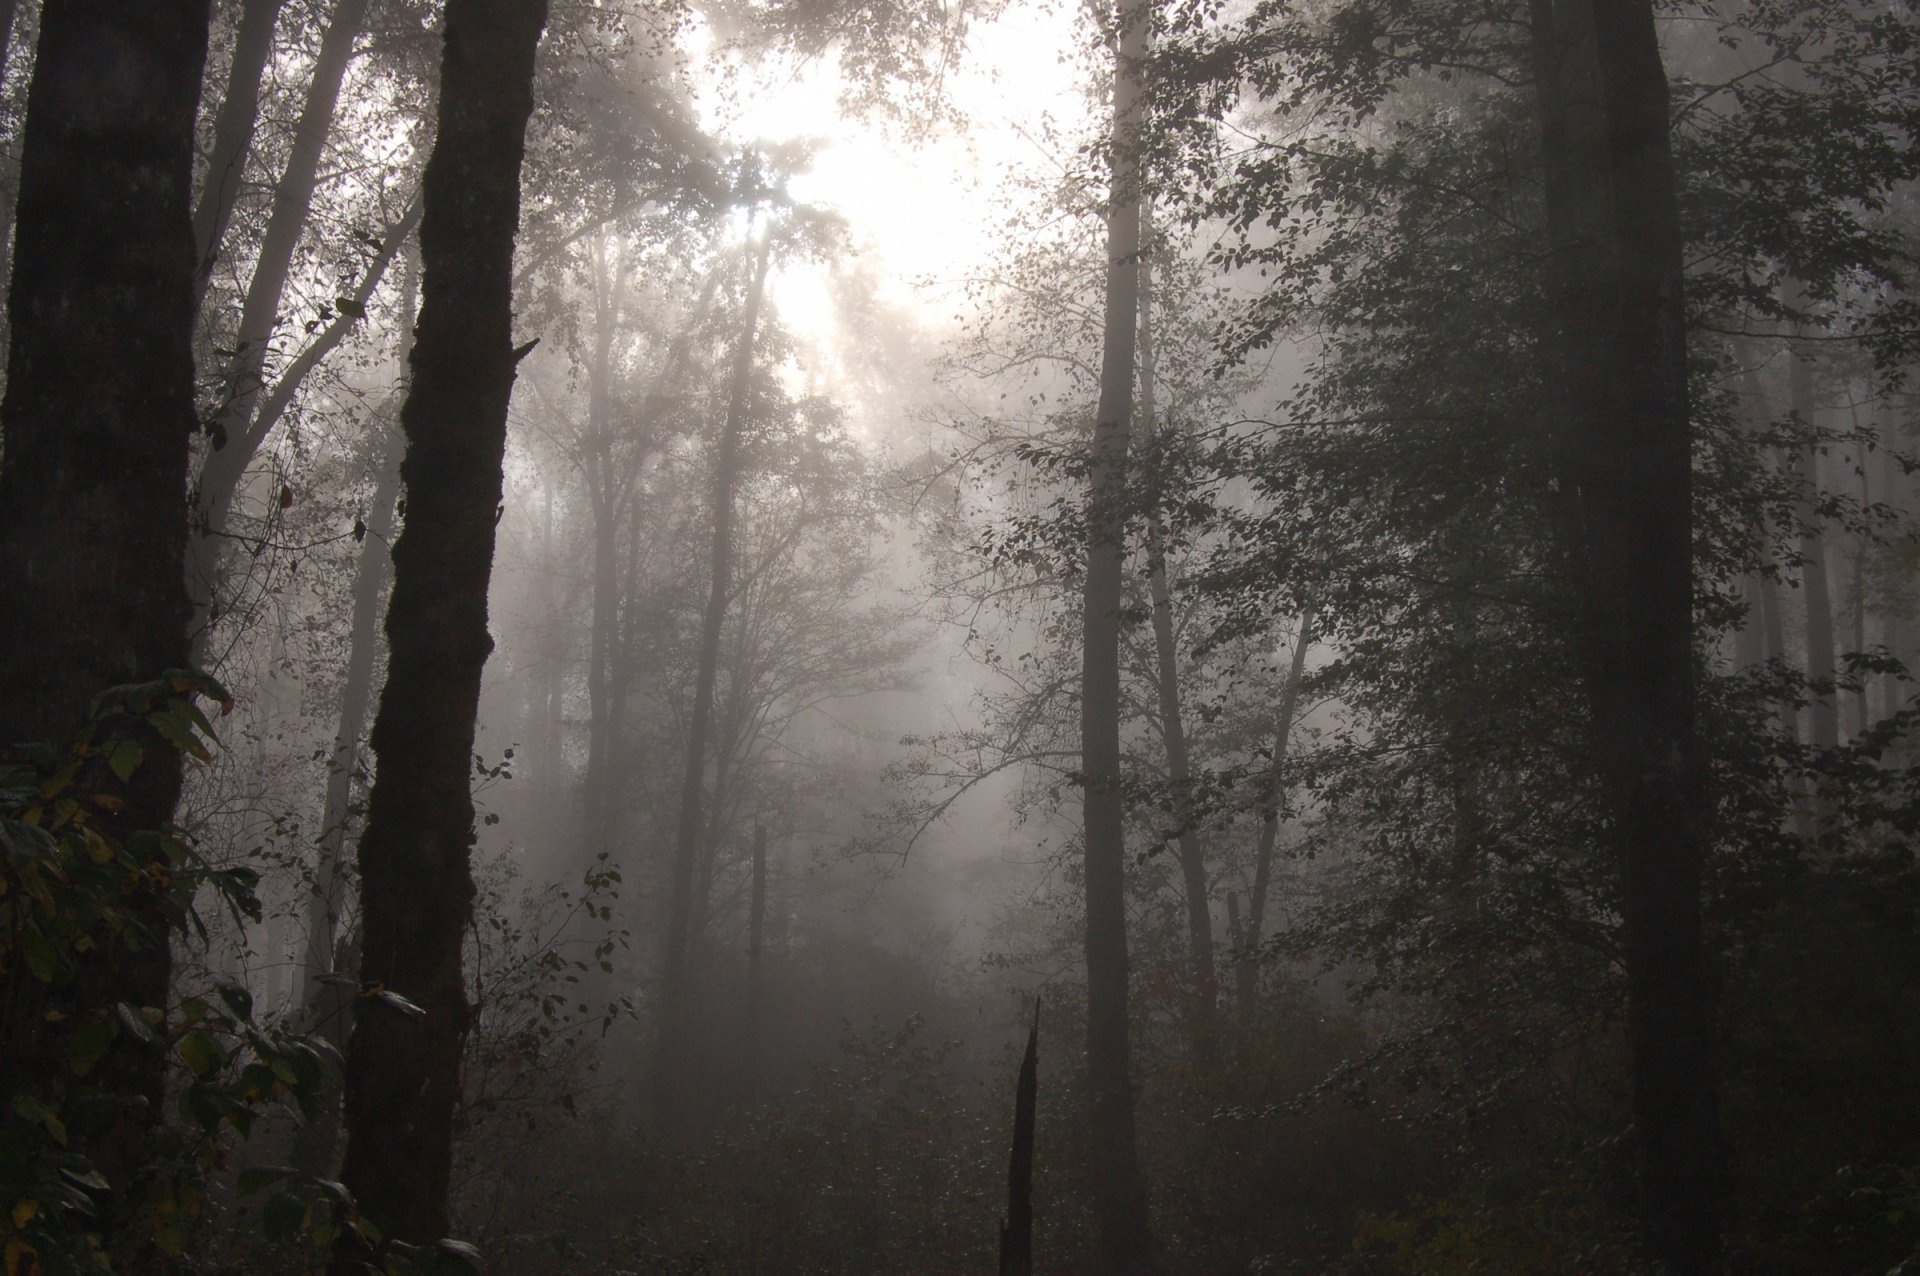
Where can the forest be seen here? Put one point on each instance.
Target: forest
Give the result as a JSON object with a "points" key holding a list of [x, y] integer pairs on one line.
{"points": [[943, 636]]}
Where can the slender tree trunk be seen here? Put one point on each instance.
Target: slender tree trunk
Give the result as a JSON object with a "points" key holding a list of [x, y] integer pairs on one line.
{"points": [[756, 958], [675, 990], [328, 1006], [97, 416], [1823, 707], [1124, 1240], [1246, 957], [1626, 465], [1859, 713], [1016, 1229], [1173, 732], [416, 895], [232, 136], [607, 507], [1896, 627], [234, 434]]}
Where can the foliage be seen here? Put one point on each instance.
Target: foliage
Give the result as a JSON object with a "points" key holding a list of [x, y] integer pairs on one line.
{"points": [[77, 888]]}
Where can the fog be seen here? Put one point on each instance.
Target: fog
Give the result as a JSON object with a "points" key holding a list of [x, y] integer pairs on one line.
{"points": [[944, 637]]}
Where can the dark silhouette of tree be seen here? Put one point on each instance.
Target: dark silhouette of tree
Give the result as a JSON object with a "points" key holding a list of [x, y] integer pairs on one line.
{"points": [[1125, 1244], [403, 1061], [97, 418], [1625, 459]]}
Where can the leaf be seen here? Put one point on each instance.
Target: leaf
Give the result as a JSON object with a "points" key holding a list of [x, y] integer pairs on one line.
{"points": [[124, 758], [411, 1010], [350, 308], [238, 1000], [136, 1023], [201, 1052]]}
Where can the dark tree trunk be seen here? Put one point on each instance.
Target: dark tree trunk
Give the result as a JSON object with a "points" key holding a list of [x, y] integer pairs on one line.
{"points": [[97, 417], [416, 887], [232, 136], [236, 433], [1124, 1241], [1016, 1229], [1626, 466], [676, 972]]}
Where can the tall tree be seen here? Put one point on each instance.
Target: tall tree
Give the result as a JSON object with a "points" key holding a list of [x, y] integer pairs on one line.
{"points": [[1120, 1208], [1626, 466], [236, 432], [1173, 727], [232, 135], [676, 974], [97, 418], [403, 1061]]}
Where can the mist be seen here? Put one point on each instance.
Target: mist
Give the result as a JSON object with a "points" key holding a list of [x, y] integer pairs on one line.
{"points": [[809, 637]]}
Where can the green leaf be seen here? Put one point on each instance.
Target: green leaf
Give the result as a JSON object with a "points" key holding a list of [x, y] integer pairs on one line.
{"points": [[201, 1052], [124, 758]]}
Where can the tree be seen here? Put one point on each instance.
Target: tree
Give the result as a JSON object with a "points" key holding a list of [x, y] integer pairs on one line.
{"points": [[1125, 1244], [416, 886], [676, 973], [1626, 458], [235, 431], [97, 418]]}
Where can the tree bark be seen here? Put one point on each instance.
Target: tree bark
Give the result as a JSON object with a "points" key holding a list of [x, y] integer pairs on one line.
{"points": [[1124, 1241], [328, 1006], [1625, 459], [416, 897], [676, 969], [97, 416], [232, 136], [235, 433]]}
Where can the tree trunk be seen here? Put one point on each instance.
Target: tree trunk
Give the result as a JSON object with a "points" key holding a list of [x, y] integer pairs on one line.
{"points": [[1016, 1229], [676, 971], [97, 416], [1124, 1240], [1173, 732], [236, 436], [1626, 465], [1823, 707], [607, 507], [327, 1006], [403, 1065], [232, 136], [756, 973], [1246, 969]]}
